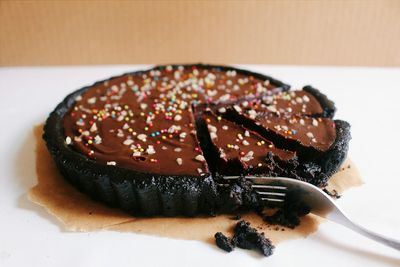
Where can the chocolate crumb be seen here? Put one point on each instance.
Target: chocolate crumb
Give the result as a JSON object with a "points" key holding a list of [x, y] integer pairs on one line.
{"points": [[332, 193], [224, 242], [247, 237]]}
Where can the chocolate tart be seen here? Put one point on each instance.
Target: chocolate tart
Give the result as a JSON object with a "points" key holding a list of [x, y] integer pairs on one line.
{"points": [[141, 142]]}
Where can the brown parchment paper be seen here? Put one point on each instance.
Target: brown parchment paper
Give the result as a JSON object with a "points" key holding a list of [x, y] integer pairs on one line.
{"points": [[77, 212]]}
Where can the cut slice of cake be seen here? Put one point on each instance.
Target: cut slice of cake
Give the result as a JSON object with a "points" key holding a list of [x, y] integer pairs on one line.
{"points": [[239, 151]]}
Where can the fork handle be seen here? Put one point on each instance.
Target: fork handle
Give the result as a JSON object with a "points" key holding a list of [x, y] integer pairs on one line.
{"points": [[368, 233]]}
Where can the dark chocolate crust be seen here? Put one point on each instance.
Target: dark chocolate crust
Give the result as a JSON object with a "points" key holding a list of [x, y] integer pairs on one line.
{"points": [[335, 156], [149, 194], [318, 169], [289, 213], [327, 105]]}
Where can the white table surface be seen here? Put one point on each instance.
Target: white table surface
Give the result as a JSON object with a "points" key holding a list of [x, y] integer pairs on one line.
{"points": [[369, 98]]}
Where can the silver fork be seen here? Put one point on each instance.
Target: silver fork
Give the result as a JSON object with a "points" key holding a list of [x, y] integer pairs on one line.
{"points": [[274, 190]]}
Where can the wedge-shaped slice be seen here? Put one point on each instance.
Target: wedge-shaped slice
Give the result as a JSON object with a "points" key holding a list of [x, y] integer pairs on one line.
{"points": [[241, 151], [292, 132], [309, 102]]}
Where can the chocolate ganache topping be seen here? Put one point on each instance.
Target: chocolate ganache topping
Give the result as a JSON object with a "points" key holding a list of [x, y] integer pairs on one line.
{"points": [[294, 116], [158, 141], [144, 122]]}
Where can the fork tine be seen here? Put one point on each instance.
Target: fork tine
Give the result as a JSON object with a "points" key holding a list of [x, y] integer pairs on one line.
{"points": [[260, 186], [271, 197], [276, 200], [231, 177], [271, 194], [257, 177]]}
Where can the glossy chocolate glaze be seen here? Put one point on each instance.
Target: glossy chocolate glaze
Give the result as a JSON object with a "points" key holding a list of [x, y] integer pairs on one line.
{"points": [[292, 115], [318, 133], [144, 122], [286, 103]]}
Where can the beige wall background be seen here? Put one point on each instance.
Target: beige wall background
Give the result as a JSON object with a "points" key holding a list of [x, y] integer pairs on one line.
{"points": [[363, 33]]}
